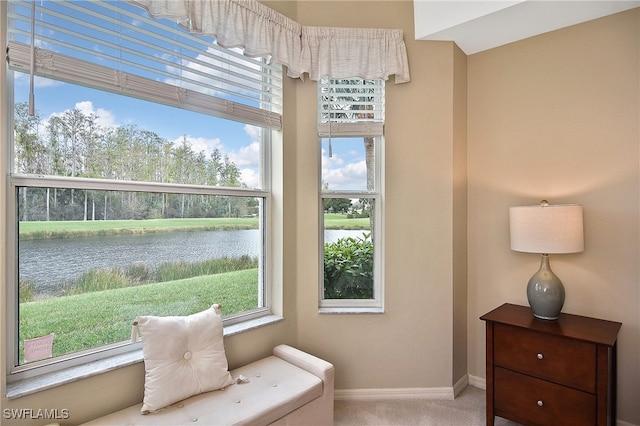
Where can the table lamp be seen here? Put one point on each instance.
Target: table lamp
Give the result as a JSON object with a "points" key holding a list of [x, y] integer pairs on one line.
{"points": [[546, 229]]}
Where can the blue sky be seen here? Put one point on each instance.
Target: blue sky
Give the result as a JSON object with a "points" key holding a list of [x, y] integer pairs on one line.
{"points": [[346, 167], [203, 132]]}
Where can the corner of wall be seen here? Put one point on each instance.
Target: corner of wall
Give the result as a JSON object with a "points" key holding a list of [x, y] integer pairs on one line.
{"points": [[460, 258]]}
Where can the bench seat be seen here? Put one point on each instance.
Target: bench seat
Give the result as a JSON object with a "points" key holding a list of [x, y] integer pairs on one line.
{"points": [[289, 387]]}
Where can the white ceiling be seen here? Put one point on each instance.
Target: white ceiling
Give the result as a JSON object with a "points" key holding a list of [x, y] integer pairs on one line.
{"points": [[477, 25]]}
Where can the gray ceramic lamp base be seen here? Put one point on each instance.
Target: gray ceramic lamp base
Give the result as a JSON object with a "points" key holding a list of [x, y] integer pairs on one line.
{"points": [[545, 292]]}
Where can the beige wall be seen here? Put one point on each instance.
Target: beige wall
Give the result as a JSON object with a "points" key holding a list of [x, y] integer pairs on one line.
{"points": [[556, 117], [460, 219], [411, 344]]}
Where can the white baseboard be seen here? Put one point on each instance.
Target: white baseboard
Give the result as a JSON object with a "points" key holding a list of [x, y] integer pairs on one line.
{"points": [[478, 382], [460, 385], [404, 393], [393, 393]]}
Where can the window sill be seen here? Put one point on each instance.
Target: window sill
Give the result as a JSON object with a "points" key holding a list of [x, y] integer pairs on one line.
{"points": [[46, 381], [353, 310]]}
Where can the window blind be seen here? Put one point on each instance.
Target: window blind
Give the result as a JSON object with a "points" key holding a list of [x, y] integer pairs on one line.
{"points": [[350, 107], [259, 29], [116, 47]]}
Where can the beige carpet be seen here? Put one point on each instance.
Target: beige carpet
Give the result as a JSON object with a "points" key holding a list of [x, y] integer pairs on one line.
{"points": [[468, 409]]}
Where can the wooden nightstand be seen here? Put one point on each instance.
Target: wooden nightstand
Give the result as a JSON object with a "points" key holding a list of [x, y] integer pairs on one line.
{"points": [[543, 372]]}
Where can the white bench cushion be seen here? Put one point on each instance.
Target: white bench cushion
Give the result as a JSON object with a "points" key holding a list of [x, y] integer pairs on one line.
{"points": [[275, 388]]}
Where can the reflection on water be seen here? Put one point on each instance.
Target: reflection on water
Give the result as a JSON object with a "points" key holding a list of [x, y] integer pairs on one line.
{"points": [[48, 263]]}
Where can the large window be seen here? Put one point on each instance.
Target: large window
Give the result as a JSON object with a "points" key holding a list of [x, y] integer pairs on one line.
{"points": [[350, 127], [139, 178]]}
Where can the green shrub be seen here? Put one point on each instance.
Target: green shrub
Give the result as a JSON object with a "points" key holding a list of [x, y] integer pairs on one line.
{"points": [[139, 273], [26, 291], [180, 270], [348, 268], [172, 271], [98, 280]]}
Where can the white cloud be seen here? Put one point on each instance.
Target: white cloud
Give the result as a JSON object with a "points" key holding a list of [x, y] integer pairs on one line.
{"points": [[247, 158], [351, 176], [250, 177], [341, 174], [104, 118], [208, 145], [249, 155]]}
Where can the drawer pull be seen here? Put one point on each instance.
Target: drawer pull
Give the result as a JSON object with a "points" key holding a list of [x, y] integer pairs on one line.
{"points": [[540, 403], [540, 356]]}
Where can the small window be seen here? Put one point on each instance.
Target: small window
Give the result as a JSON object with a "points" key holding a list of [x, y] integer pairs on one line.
{"points": [[350, 127]]}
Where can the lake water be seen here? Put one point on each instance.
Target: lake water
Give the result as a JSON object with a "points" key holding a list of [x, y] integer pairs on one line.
{"points": [[48, 263]]}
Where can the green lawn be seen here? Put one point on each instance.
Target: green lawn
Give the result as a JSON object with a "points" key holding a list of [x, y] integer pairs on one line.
{"points": [[80, 228], [341, 221], [92, 319]]}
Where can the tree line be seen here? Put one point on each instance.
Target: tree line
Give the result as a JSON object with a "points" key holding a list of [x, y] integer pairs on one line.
{"points": [[73, 144]]}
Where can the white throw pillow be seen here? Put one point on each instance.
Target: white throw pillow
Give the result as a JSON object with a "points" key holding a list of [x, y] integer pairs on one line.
{"points": [[183, 356]]}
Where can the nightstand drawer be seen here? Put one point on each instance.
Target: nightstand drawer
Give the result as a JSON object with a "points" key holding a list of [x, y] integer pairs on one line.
{"points": [[543, 402], [564, 361]]}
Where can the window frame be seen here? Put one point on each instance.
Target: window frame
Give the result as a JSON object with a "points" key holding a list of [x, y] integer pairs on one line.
{"points": [[355, 130], [34, 376]]}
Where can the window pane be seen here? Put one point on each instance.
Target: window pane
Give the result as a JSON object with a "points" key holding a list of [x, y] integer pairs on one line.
{"points": [[78, 131], [348, 164], [91, 261], [348, 248]]}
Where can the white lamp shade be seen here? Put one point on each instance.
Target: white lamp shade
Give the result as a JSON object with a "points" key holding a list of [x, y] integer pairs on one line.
{"points": [[547, 229]]}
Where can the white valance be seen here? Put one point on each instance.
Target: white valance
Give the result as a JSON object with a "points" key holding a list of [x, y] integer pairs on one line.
{"points": [[367, 53], [261, 31], [258, 29]]}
